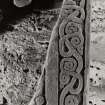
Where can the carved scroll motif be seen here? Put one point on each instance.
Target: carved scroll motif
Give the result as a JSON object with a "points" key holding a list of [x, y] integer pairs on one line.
{"points": [[71, 49], [67, 62]]}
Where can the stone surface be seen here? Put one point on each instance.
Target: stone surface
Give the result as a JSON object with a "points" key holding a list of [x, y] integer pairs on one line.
{"points": [[97, 56], [67, 63]]}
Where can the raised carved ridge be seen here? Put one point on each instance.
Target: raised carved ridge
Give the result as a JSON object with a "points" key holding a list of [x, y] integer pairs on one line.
{"points": [[67, 60]]}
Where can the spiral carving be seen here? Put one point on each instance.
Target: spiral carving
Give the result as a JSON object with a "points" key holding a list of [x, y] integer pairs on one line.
{"points": [[71, 24], [71, 56], [76, 40], [74, 63], [69, 100], [70, 43], [69, 27], [68, 64], [69, 89], [71, 47], [64, 79], [72, 28]]}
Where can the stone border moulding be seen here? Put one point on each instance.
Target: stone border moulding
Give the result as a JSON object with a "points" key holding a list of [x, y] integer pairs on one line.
{"points": [[67, 63]]}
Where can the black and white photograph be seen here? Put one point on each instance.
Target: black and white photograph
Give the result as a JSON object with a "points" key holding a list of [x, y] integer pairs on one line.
{"points": [[52, 52]]}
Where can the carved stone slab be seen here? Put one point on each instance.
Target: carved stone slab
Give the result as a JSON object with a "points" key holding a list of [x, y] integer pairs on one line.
{"points": [[67, 62]]}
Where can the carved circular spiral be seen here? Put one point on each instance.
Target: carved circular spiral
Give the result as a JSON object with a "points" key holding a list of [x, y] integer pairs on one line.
{"points": [[71, 48], [74, 14], [71, 100], [72, 27], [68, 100], [76, 41], [72, 64], [68, 64], [70, 43], [68, 27], [64, 79]]}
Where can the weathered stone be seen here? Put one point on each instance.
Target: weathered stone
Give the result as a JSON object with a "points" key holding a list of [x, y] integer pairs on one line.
{"points": [[67, 62]]}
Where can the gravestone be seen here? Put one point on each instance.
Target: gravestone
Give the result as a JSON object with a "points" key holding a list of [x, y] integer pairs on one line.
{"points": [[67, 62], [64, 78]]}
